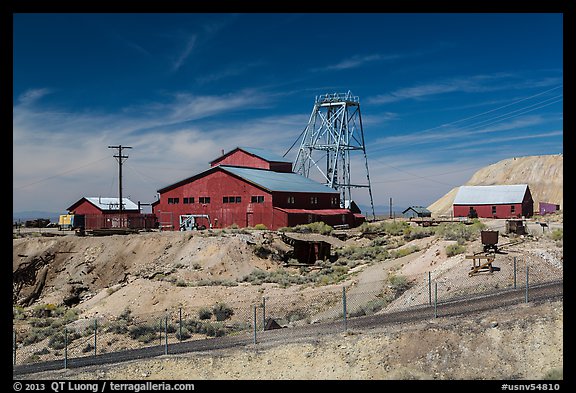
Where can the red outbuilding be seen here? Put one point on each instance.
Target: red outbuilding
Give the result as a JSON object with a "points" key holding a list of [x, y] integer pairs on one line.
{"points": [[499, 201], [246, 187], [104, 213]]}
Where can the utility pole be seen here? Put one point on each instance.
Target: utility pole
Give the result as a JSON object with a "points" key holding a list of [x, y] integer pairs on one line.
{"points": [[119, 158]]}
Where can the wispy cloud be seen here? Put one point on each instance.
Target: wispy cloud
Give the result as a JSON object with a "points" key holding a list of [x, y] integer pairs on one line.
{"points": [[356, 61], [171, 149], [185, 52], [234, 70], [32, 95], [470, 84]]}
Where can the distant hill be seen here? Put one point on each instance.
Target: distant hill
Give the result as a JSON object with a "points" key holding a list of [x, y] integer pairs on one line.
{"points": [[543, 174], [34, 214]]}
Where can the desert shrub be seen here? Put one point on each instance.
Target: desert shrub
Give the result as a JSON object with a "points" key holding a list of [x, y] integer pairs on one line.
{"points": [[262, 251], [279, 276], [204, 313], [375, 253], [143, 333], [184, 334], [313, 227], [557, 234], [222, 311], [459, 231], [412, 233], [393, 228], [261, 227], [60, 339], [398, 283], [556, 374], [181, 283], [455, 249], [18, 312], [370, 308], [402, 252]]}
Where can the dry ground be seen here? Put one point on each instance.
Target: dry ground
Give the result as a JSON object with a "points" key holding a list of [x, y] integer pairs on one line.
{"points": [[524, 342], [149, 273]]}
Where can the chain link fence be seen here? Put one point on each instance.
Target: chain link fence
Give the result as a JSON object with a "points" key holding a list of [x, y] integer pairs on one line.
{"points": [[334, 306]]}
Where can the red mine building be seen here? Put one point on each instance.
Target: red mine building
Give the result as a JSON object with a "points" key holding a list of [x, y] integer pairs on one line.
{"points": [[246, 187]]}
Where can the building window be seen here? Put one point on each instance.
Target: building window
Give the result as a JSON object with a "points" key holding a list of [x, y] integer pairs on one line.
{"points": [[334, 201], [257, 199], [290, 200], [224, 199], [204, 199], [313, 200], [238, 199], [493, 210], [231, 199], [512, 209], [173, 201], [189, 200]]}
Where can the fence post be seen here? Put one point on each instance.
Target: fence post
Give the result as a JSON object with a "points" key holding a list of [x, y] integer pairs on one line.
{"points": [[429, 288], [65, 347], [526, 295], [344, 308], [514, 272], [435, 300], [180, 325], [14, 347], [160, 333], [263, 313], [254, 307], [95, 334], [166, 335]]}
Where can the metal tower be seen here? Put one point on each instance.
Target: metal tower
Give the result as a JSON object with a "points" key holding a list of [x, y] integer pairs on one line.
{"points": [[334, 131]]}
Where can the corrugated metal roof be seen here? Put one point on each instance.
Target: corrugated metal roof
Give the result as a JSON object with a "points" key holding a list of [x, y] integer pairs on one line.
{"points": [[490, 195], [111, 203], [278, 181]]}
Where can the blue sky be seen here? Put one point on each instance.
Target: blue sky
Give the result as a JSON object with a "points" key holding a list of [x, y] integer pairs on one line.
{"points": [[441, 95]]}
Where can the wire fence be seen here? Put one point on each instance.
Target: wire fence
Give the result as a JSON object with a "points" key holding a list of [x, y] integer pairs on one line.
{"points": [[48, 339]]}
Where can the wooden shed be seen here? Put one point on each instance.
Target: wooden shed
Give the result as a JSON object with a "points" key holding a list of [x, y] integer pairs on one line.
{"points": [[417, 211]]}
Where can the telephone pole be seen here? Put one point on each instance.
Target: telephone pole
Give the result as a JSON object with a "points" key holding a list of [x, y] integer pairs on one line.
{"points": [[119, 158]]}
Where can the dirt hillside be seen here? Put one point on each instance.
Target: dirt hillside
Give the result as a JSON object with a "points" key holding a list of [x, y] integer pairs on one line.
{"points": [[543, 174]]}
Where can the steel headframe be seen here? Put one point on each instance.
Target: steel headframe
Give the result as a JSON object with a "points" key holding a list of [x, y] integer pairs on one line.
{"points": [[334, 130]]}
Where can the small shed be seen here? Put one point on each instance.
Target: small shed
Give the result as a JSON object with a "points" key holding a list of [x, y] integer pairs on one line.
{"points": [[547, 208], [417, 211], [308, 251]]}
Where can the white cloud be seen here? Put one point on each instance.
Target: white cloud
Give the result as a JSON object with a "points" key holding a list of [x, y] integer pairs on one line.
{"points": [[31, 96], [471, 84], [60, 156], [185, 53]]}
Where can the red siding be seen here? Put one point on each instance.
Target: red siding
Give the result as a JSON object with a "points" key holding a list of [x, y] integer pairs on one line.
{"points": [[241, 158], [86, 207], [219, 184], [485, 211], [216, 185]]}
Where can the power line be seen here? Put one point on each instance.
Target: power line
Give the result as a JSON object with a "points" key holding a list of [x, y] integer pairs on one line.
{"points": [[60, 174]]}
